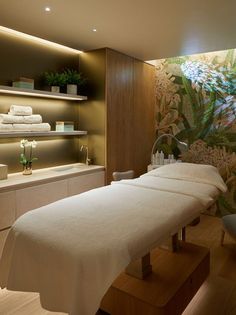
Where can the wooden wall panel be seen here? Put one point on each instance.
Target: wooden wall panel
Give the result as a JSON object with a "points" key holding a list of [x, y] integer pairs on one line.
{"points": [[119, 98], [144, 115]]}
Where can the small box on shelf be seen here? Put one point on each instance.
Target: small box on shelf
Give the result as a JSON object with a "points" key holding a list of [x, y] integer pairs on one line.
{"points": [[3, 171], [65, 126], [23, 83]]}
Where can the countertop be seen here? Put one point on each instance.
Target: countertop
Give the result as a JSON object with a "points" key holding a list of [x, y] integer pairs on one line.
{"points": [[45, 175]]}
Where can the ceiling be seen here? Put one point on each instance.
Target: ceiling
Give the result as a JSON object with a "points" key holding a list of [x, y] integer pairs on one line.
{"points": [[150, 29]]}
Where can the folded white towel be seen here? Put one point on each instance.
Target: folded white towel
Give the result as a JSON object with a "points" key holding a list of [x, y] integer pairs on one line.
{"points": [[40, 127], [18, 110], [33, 119], [6, 127], [21, 127], [11, 119], [32, 127]]}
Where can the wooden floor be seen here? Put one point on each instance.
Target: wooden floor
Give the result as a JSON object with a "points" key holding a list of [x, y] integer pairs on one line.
{"points": [[217, 296]]}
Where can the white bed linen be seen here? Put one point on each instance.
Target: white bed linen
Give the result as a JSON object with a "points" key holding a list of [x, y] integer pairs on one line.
{"points": [[205, 193], [72, 250]]}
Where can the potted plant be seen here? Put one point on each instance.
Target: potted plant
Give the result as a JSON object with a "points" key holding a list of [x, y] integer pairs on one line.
{"points": [[73, 79], [55, 80]]}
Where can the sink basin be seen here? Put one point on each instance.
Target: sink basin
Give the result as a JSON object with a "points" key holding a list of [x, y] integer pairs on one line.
{"points": [[68, 168]]}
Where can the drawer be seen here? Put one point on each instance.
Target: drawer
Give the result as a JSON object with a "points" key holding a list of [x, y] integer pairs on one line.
{"points": [[82, 183], [3, 236], [39, 195], [7, 209]]}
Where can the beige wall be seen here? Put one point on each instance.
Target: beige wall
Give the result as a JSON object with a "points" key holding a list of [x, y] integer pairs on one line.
{"points": [[20, 57], [92, 116]]}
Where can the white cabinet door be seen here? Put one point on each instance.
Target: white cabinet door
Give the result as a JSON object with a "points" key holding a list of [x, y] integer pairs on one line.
{"points": [[82, 183], [7, 209], [39, 195], [3, 236]]}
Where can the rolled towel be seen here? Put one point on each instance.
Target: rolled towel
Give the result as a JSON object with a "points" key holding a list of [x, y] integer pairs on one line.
{"points": [[11, 119], [6, 127], [32, 127], [18, 110]]}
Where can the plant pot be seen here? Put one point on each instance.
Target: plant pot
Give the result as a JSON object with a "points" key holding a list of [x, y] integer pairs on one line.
{"points": [[55, 89], [27, 170], [71, 89]]}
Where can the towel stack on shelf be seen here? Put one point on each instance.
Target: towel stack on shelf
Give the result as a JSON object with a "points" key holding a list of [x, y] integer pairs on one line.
{"points": [[21, 118]]}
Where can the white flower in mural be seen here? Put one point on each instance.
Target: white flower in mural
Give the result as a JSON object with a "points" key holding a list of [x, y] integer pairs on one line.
{"points": [[204, 75]]}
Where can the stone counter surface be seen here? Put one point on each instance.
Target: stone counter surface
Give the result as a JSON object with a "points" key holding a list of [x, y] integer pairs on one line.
{"points": [[45, 175]]}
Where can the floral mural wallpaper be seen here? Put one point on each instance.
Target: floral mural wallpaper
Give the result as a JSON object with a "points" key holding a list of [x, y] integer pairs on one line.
{"points": [[196, 102]]}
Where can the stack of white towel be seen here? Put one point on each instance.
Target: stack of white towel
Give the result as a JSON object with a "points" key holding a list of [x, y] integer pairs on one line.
{"points": [[21, 118]]}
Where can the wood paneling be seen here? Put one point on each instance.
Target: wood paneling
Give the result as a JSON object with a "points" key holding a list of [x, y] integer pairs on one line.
{"points": [[130, 113], [144, 115], [120, 112]]}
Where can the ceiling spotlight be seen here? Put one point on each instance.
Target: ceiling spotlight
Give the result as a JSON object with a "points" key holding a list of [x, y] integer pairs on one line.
{"points": [[47, 9], [94, 30]]}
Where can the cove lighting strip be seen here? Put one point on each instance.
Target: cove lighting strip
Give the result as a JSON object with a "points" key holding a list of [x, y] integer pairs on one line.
{"points": [[38, 40], [37, 93]]}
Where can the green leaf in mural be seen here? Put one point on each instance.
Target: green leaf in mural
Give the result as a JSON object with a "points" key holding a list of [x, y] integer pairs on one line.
{"points": [[191, 93]]}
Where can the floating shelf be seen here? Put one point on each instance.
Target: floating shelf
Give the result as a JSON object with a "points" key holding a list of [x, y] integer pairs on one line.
{"points": [[31, 134], [42, 94]]}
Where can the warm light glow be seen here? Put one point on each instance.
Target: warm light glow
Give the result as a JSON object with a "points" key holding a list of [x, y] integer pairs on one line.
{"points": [[38, 40], [94, 30], [16, 91], [47, 9]]}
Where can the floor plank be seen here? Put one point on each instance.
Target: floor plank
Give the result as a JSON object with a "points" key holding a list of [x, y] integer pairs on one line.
{"points": [[217, 295]]}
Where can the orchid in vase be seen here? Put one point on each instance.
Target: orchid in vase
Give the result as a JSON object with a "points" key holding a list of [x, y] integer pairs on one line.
{"points": [[26, 157]]}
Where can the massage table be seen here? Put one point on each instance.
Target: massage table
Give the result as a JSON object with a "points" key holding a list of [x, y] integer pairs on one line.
{"points": [[72, 250]]}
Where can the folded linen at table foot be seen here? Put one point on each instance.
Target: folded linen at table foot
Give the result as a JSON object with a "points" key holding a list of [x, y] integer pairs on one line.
{"points": [[18, 110], [6, 127], [12, 119], [32, 127]]}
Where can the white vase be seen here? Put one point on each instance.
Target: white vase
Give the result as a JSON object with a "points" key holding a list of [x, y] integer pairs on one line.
{"points": [[72, 89], [55, 89]]}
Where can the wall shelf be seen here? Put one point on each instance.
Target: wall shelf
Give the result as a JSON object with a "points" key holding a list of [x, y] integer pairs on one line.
{"points": [[42, 94], [31, 134]]}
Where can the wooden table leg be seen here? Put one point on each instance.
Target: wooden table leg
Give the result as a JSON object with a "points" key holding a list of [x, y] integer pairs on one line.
{"points": [[183, 234], [140, 268]]}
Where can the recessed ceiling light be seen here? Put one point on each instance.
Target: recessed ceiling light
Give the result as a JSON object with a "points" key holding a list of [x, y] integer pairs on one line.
{"points": [[94, 30], [47, 9]]}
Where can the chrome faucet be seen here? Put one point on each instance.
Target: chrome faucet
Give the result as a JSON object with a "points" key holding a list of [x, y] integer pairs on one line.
{"points": [[85, 147]]}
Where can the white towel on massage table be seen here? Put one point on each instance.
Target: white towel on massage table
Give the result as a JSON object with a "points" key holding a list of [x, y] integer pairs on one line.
{"points": [[205, 193], [72, 250], [19, 110], [12, 119]]}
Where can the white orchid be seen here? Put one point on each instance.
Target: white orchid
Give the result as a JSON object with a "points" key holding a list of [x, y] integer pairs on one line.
{"points": [[26, 157]]}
